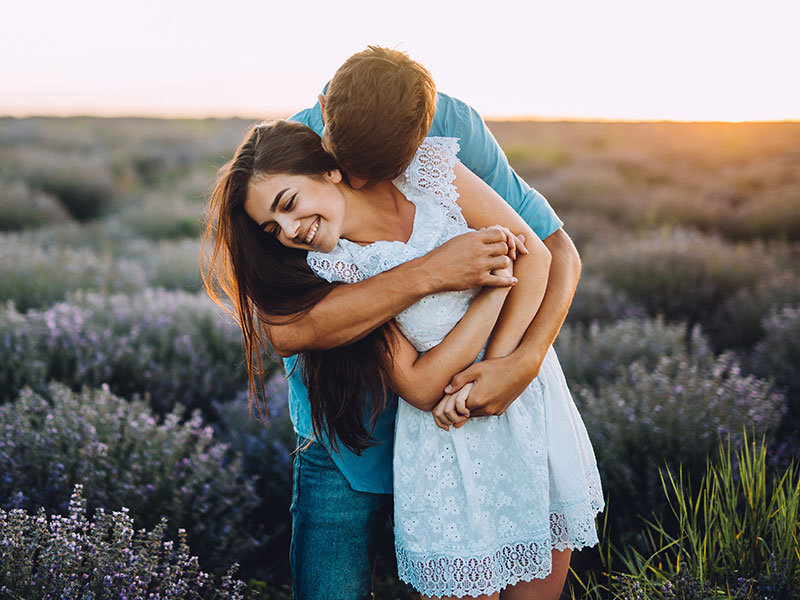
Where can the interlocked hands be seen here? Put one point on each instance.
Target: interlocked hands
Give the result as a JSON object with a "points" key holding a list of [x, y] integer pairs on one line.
{"points": [[452, 408]]}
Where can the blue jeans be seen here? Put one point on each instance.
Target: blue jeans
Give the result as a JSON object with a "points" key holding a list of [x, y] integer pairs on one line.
{"points": [[335, 530]]}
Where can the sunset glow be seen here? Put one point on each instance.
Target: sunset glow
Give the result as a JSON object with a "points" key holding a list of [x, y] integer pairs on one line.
{"points": [[627, 60]]}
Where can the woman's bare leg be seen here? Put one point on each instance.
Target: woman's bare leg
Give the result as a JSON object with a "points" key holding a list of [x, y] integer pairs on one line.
{"points": [[548, 588]]}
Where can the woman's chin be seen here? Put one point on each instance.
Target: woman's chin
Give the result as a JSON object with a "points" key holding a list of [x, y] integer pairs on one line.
{"points": [[326, 247], [322, 244]]}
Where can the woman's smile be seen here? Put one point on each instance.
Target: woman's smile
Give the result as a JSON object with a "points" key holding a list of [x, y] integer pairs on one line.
{"points": [[312, 232]]}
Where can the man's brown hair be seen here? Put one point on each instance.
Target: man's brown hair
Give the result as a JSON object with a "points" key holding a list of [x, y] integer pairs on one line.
{"points": [[378, 108]]}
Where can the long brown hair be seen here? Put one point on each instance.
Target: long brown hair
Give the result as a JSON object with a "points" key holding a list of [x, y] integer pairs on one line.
{"points": [[270, 283]]}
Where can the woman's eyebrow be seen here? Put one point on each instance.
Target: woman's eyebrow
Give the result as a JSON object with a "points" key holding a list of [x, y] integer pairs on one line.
{"points": [[277, 199], [274, 205]]}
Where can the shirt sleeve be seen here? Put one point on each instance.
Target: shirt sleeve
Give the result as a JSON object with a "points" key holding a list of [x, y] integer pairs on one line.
{"points": [[481, 153], [311, 117]]}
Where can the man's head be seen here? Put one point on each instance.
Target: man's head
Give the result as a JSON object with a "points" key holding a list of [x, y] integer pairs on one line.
{"points": [[377, 110]]}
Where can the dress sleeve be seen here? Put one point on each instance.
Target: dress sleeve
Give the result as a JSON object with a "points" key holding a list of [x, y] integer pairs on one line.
{"points": [[482, 155], [335, 266]]}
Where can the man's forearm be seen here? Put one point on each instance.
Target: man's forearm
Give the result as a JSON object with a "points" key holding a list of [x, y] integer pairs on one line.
{"points": [[350, 312], [565, 270]]}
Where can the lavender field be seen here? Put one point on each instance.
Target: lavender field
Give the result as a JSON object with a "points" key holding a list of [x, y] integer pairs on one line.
{"points": [[119, 376]]}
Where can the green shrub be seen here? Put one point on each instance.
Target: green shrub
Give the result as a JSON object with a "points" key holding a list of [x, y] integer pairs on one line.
{"points": [[124, 456], [739, 323], [596, 300], [774, 213], [103, 237], [103, 559], [169, 264], [266, 450], [600, 353], [38, 272], [173, 346], [20, 208], [85, 191], [159, 216], [778, 354], [673, 414], [586, 228], [682, 276], [21, 361], [601, 189], [35, 277]]}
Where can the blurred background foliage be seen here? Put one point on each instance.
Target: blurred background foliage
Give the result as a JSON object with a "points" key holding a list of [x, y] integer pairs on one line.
{"points": [[117, 373]]}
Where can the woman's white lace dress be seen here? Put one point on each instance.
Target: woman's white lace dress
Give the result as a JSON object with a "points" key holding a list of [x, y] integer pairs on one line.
{"points": [[481, 507]]}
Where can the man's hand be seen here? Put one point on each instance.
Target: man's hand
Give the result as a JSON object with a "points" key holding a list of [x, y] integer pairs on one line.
{"points": [[467, 261], [497, 382]]}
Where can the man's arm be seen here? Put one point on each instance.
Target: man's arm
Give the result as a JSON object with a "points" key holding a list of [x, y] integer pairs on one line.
{"points": [[351, 311], [499, 381]]}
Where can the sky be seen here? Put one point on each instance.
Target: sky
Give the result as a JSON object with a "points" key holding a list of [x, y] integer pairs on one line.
{"points": [[608, 59]]}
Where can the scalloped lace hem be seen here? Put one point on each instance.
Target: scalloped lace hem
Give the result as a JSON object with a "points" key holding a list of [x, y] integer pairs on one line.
{"points": [[442, 574]]}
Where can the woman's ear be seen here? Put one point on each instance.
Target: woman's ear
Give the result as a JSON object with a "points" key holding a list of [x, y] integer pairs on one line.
{"points": [[334, 176]]}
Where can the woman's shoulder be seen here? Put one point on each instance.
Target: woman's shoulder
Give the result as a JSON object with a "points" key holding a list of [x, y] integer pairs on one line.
{"points": [[437, 149], [433, 168]]}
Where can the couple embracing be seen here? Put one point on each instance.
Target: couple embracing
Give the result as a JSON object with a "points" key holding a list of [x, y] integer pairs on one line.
{"points": [[414, 284]]}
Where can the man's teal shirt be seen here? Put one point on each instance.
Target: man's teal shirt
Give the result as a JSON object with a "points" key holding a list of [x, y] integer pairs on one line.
{"points": [[479, 151]]}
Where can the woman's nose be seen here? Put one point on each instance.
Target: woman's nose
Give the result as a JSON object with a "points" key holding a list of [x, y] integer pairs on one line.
{"points": [[289, 226]]}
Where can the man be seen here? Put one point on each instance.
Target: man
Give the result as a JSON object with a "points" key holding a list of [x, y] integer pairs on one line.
{"points": [[372, 117]]}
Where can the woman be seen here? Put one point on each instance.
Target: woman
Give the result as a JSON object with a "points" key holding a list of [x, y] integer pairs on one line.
{"points": [[495, 503]]}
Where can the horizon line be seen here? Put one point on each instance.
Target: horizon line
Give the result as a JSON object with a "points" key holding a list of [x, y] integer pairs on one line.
{"points": [[487, 118]]}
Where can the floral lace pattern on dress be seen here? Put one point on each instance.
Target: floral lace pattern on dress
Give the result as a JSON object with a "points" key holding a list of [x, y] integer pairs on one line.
{"points": [[335, 269]]}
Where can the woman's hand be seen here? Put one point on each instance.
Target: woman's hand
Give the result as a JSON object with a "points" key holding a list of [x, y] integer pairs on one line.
{"points": [[515, 243], [452, 409]]}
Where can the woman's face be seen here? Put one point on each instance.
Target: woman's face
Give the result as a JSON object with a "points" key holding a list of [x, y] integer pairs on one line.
{"points": [[300, 211]]}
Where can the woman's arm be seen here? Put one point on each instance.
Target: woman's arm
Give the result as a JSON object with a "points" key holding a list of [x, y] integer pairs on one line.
{"points": [[481, 207], [419, 378]]}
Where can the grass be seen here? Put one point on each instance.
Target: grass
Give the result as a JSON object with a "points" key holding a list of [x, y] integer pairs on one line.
{"points": [[735, 537]]}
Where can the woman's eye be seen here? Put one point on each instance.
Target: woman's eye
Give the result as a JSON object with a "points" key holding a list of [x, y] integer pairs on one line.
{"points": [[290, 203]]}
